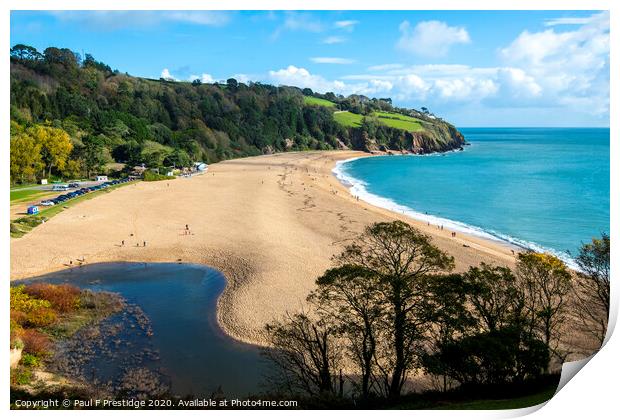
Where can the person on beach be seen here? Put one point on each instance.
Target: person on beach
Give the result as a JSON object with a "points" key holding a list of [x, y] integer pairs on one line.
{"points": [[144, 244], [123, 242]]}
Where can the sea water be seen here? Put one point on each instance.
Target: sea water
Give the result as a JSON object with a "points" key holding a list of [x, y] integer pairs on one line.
{"points": [[545, 189]]}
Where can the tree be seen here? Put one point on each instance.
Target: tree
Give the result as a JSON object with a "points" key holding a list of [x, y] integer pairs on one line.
{"points": [[349, 296], [26, 159], [494, 298], [496, 340], [94, 153], [447, 299], [545, 281], [304, 353], [55, 144], [232, 84], [592, 287], [178, 158], [25, 52], [400, 257]]}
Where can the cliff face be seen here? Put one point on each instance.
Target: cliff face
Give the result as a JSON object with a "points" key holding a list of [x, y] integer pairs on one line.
{"points": [[437, 136]]}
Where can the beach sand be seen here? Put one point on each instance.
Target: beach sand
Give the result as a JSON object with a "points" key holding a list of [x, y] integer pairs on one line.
{"points": [[270, 223]]}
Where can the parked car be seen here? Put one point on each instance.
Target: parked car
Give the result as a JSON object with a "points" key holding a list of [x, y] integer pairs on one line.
{"points": [[74, 185], [47, 203]]}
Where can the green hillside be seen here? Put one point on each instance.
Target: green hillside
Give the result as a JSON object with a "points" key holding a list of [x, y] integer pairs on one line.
{"points": [[402, 122], [348, 119], [72, 116], [311, 100]]}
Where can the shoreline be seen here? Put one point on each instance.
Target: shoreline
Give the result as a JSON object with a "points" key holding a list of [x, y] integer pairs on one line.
{"points": [[357, 187], [270, 224]]}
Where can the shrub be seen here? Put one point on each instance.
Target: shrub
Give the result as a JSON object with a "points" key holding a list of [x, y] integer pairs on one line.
{"points": [[36, 343], [23, 302], [62, 297], [21, 376], [30, 360], [41, 317], [153, 176]]}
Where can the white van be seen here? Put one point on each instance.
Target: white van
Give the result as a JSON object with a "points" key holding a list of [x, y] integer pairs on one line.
{"points": [[60, 187]]}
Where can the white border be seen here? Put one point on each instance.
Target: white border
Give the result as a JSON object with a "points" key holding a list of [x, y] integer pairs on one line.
{"points": [[591, 395]]}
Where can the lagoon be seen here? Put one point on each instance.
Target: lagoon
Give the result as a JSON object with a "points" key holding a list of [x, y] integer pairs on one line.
{"points": [[193, 353]]}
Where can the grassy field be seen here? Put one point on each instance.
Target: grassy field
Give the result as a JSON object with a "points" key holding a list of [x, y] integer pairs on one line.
{"points": [[23, 225], [22, 195], [311, 100], [400, 121], [481, 404], [348, 119]]}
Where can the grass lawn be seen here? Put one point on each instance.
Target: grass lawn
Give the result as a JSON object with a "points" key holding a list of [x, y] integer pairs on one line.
{"points": [[311, 100], [23, 225], [482, 404], [521, 402], [400, 121], [348, 119], [22, 195]]}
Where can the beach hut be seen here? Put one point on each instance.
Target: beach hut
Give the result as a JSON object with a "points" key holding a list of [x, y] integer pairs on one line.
{"points": [[33, 209]]}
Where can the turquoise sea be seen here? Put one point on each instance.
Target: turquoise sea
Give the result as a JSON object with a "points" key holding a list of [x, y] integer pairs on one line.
{"points": [[538, 188]]}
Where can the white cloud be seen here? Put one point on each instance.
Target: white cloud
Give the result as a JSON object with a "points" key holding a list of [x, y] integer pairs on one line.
{"points": [[381, 67], [295, 21], [122, 19], [348, 25], [334, 40], [165, 74], [570, 67], [204, 78], [430, 38], [242, 78], [332, 60], [568, 21]]}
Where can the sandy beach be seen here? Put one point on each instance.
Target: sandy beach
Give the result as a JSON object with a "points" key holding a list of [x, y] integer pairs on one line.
{"points": [[269, 223]]}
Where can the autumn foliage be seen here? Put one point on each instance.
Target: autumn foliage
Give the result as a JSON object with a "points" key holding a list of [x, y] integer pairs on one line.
{"points": [[62, 297]]}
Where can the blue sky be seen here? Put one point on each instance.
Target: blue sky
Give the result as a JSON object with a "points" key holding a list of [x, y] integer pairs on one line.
{"points": [[474, 68]]}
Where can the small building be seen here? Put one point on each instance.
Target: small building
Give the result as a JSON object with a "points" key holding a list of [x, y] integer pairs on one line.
{"points": [[33, 210], [103, 178], [137, 171], [44, 181]]}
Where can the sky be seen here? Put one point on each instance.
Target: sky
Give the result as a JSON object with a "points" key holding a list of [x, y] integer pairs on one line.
{"points": [[473, 68]]}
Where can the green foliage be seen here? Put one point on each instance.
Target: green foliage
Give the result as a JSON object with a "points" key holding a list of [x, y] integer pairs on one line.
{"points": [[30, 360], [311, 100], [402, 122], [21, 376], [348, 119], [154, 176], [105, 114]]}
